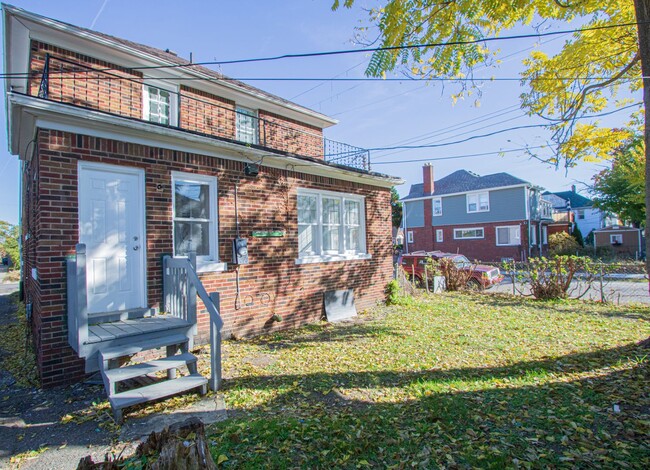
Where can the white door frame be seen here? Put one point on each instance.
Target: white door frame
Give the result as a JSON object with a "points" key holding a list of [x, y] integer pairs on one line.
{"points": [[142, 214]]}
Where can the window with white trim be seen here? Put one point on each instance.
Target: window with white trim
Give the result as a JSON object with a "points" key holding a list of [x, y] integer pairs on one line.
{"points": [[159, 105], [508, 235], [439, 235], [581, 214], [409, 236], [194, 203], [544, 235], [330, 224], [533, 235], [436, 203], [469, 233], [478, 202], [616, 239], [247, 125]]}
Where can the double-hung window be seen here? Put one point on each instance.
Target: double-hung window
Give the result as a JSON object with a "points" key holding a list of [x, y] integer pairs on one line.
{"points": [[247, 125], [195, 216], [508, 235], [478, 202], [436, 203], [331, 226], [159, 105]]}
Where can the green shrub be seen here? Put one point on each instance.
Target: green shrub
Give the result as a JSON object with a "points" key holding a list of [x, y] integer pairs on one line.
{"points": [[392, 292], [562, 243], [455, 279], [577, 235], [550, 278]]}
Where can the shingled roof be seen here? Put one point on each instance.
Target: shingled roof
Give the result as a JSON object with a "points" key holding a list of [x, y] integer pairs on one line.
{"points": [[577, 200], [463, 181]]}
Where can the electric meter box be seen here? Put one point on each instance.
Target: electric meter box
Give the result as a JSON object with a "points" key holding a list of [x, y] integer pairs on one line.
{"points": [[240, 251]]}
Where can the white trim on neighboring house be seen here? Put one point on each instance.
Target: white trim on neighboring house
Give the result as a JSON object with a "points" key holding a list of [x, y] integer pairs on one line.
{"points": [[616, 238], [57, 116], [422, 198], [409, 236], [478, 195], [440, 238], [433, 206]]}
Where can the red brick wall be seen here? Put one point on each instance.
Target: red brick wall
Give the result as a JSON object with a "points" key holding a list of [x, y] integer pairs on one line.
{"points": [[484, 249], [268, 201], [290, 136], [120, 92]]}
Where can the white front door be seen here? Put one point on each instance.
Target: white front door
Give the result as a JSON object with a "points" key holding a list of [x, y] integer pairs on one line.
{"points": [[111, 224]]}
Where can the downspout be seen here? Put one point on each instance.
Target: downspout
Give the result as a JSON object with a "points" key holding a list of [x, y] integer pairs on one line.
{"points": [[405, 229]]}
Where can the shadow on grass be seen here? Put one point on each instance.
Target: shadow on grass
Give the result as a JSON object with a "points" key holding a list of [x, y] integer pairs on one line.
{"points": [[513, 417]]}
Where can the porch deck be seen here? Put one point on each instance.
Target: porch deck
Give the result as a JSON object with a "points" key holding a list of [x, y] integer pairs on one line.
{"points": [[110, 331]]}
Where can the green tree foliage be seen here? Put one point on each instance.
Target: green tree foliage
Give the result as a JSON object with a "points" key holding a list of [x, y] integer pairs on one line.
{"points": [[577, 235], [9, 242], [396, 207], [621, 189], [596, 68], [562, 243]]}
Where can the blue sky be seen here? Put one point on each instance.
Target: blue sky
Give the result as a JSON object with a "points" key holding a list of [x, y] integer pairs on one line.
{"points": [[371, 114]]}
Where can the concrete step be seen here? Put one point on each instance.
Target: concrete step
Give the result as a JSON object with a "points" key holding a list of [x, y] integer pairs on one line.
{"points": [[139, 346], [138, 370], [158, 390]]}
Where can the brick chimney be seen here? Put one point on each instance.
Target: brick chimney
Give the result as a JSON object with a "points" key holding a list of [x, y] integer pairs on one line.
{"points": [[427, 178], [573, 188]]}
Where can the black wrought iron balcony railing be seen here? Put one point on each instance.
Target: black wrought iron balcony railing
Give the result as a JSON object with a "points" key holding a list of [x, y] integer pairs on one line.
{"points": [[122, 92]]}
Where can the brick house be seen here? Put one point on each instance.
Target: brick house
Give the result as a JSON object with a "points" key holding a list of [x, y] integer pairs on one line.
{"points": [[123, 164], [486, 218]]}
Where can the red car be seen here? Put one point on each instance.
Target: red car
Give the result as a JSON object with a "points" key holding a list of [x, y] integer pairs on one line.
{"points": [[482, 276]]}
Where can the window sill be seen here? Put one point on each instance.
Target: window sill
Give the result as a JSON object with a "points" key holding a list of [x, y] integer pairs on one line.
{"points": [[332, 258], [210, 266]]}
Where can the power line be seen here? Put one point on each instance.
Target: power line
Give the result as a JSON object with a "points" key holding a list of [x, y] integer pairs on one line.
{"points": [[454, 157], [393, 48]]}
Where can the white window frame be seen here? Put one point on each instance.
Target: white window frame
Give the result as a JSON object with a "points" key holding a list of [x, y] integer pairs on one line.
{"points": [[256, 124], [511, 228], [477, 195], [210, 262], [409, 236], [616, 238], [318, 255], [173, 101], [433, 206], [544, 235], [439, 235], [456, 230], [533, 235]]}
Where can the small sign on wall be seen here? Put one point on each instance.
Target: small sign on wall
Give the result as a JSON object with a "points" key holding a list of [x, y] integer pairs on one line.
{"points": [[267, 233]]}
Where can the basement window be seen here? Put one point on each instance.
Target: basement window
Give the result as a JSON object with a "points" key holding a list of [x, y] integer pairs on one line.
{"points": [[331, 226]]}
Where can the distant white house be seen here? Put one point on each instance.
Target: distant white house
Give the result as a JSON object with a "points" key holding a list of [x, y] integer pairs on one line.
{"points": [[585, 216]]}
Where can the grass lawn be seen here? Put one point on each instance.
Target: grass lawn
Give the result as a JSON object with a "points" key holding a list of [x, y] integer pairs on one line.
{"points": [[447, 381]]}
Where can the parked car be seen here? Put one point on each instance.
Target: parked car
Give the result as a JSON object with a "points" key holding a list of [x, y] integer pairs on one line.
{"points": [[481, 276]]}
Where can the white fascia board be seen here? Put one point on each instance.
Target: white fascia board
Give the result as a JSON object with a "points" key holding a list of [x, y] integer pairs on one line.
{"points": [[57, 116], [435, 196], [81, 41]]}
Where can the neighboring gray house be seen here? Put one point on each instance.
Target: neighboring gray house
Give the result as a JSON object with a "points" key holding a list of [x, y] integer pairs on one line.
{"points": [[586, 217], [483, 217]]}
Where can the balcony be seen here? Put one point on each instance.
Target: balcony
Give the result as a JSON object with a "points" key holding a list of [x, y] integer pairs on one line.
{"points": [[126, 93]]}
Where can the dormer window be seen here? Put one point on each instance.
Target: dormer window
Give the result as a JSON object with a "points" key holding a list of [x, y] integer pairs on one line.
{"points": [[247, 125], [159, 105]]}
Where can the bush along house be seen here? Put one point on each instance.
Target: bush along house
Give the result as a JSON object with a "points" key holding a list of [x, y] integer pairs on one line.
{"points": [[486, 218], [143, 173]]}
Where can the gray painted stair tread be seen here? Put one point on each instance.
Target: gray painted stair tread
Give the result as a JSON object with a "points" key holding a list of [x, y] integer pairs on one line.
{"points": [[156, 391], [125, 328], [144, 368], [129, 349]]}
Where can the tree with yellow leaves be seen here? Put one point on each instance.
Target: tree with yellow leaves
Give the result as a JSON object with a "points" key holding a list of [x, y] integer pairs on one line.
{"points": [[606, 59]]}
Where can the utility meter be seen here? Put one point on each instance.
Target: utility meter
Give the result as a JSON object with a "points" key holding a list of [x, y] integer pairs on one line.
{"points": [[240, 251]]}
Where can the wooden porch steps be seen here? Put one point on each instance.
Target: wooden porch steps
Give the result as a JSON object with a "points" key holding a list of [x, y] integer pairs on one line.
{"points": [[113, 374]]}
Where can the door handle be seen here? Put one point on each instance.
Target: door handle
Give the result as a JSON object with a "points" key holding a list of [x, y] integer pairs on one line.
{"points": [[136, 248]]}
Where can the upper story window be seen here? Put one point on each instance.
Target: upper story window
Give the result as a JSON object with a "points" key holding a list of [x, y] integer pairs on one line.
{"points": [[330, 224], [159, 105], [581, 214], [436, 203], [509, 235], [247, 125], [478, 202], [195, 215]]}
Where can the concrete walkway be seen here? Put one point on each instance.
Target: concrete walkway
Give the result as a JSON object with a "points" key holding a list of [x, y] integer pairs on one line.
{"points": [[30, 418]]}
